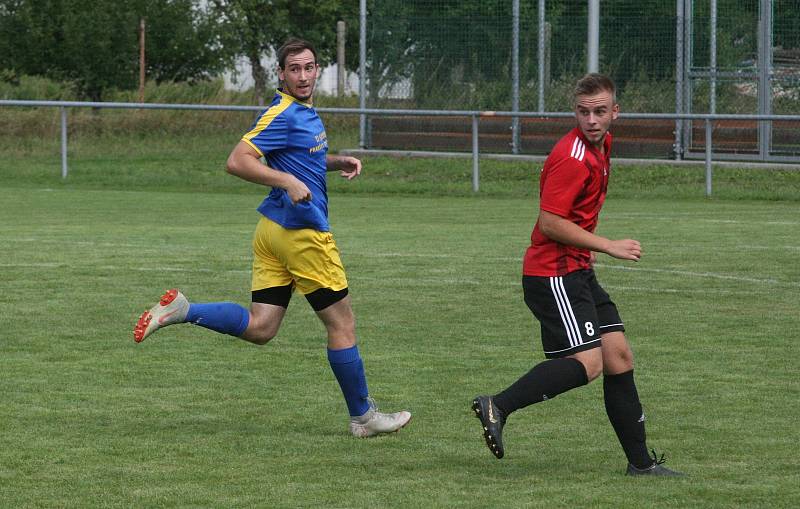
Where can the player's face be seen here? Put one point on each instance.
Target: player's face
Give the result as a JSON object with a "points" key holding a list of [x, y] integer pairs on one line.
{"points": [[595, 114], [299, 75]]}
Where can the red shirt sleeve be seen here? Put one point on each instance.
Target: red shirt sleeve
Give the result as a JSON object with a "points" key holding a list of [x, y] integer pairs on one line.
{"points": [[562, 184]]}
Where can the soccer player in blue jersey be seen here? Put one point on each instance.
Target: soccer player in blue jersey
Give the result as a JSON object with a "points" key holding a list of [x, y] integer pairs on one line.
{"points": [[293, 248]]}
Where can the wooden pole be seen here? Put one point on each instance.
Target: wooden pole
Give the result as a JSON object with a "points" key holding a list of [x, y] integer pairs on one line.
{"points": [[340, 62], [141, 60]]}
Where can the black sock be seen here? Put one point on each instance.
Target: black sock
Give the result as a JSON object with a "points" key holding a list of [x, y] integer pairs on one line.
{"points": [[625, 413], [546, 380]]}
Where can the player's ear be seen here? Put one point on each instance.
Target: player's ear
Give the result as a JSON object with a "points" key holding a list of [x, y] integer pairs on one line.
{"points": [[614, 111]]}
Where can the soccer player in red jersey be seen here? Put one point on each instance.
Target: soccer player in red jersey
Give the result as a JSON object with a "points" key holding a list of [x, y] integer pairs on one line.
{"points": [[582, 332]]}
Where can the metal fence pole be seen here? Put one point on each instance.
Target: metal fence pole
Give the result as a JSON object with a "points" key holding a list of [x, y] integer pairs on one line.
{"points": [[540, 52], [362, 74], [712, 89], [679, 75], [475, 167], [688, 63], [764, 77], [593, 43], [63, 142], [708, 157], [515, 76]]}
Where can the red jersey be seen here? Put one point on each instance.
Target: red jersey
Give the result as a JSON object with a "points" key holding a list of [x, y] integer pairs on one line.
{"points": [[573, 185]]}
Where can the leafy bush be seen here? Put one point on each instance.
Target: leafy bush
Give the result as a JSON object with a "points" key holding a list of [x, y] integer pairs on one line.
{"points": [[34, 88], [17, 122]]}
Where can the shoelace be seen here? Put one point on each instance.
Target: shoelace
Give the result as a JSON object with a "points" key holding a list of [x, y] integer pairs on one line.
{"points": [[378, 414], [656, 459]]}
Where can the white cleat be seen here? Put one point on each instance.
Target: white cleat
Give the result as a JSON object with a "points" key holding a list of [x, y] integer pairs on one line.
{"points": [[172, 308], [374, 423]]}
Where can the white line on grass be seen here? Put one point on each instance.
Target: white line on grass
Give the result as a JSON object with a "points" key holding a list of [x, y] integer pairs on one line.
{"points": [[615, 267], [144, 244], [179, 269], [42, 265], [89, 243], [434, 281], [762, 281], [171, 244], [414, 255], [702, 274], [693, 216], [401, 281], [764, 248], [655, 289], [734, 221]]}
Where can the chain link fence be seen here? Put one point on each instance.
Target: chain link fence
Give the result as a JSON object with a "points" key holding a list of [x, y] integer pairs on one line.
{"points": [[460, 55]]}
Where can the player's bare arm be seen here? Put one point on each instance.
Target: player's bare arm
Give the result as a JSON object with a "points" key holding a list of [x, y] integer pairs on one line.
{"points": [[245, 163], [349, 167], [566, 232]]}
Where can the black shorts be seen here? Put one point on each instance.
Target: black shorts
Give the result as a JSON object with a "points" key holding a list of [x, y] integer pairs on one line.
{"points": [[574, 311]]}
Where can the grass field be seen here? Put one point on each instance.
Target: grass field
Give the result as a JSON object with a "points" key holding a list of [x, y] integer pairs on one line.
{"points": [[191, 418]]}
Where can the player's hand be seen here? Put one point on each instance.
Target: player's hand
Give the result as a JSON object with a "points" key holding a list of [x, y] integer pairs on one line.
{"points": [[349, 167], [298, 192], [627, 249], [592, 258]]}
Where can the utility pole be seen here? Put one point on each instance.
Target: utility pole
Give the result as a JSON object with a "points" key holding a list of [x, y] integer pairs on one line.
{"points": [[141, 60], [593, 43], [362, 73], [340, 59]]}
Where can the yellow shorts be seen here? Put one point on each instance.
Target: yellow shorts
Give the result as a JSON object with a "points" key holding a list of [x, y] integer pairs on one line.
{"points": [[305, 258]]}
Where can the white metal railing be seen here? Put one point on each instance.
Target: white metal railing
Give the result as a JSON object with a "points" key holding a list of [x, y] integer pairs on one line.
{"points": [[474, 115]]}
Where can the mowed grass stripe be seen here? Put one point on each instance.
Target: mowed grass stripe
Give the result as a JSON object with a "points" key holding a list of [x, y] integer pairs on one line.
{"points": [[415, 279]]}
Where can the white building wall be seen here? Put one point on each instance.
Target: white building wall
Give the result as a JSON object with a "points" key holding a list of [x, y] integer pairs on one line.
{"points": [[241, 78]]}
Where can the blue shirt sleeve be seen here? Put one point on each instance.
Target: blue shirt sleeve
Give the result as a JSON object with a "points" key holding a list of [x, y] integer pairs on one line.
{"points": [[270, 132]]}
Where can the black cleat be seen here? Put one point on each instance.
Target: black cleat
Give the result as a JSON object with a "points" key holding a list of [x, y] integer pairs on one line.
{"points": [[657, 468], [492, 421]]}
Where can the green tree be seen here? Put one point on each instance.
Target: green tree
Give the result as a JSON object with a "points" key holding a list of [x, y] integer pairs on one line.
{"points": [[455, 53], [254, 28], [95, 44]]}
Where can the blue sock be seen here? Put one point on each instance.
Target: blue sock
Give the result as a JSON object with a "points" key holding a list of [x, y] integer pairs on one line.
{"points": [[224, 317], [349, 370]]}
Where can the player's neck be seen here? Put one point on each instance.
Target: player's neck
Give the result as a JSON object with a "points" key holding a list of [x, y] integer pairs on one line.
{"points": [[601, 145]]}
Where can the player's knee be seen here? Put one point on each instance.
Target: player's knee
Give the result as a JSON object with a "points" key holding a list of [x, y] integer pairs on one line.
{"points": [[340, 343], [261, 330], [593, 369], [626, 358], [622, 360], [262, 339], [592, 361]]}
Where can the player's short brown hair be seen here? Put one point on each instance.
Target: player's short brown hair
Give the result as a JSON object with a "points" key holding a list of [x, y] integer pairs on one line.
{"points": [[594, 83], [292, 46]]}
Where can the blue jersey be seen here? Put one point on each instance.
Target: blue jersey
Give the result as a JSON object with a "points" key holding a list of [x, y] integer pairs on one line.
{"points": [[291, 138]]}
